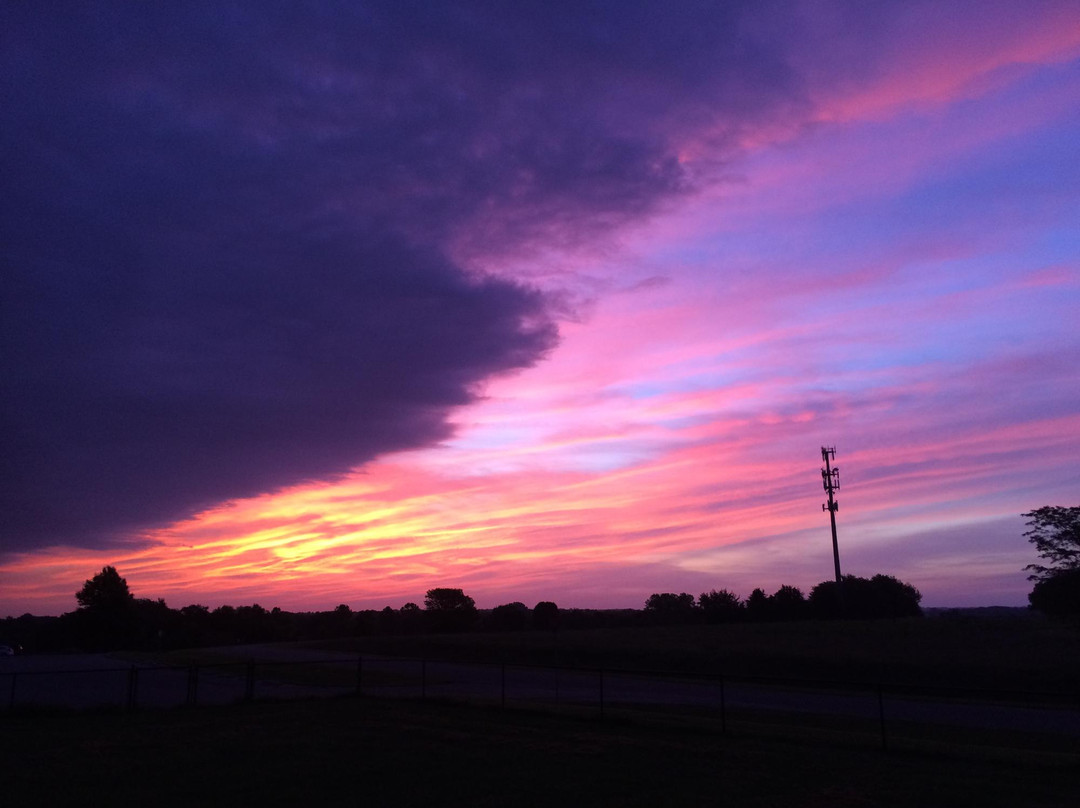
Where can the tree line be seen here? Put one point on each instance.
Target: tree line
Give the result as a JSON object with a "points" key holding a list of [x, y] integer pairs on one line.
{"points": [[110, 617], [881, 596]]}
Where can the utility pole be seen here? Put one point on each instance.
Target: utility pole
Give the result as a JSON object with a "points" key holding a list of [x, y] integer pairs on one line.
{"points": [[830, 480]]}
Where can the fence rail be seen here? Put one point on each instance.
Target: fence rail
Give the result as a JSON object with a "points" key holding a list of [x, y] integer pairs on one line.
{"points": [[873, 710]]}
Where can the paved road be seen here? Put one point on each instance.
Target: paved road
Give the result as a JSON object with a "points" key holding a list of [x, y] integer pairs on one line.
{"points": [[585, 687], [548, 685], [88, 681]]}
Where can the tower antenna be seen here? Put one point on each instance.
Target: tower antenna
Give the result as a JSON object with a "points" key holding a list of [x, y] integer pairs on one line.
{"points": [[830, 480]]}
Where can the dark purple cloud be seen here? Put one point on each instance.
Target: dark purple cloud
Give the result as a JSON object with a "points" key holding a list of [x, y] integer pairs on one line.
{"points": [[226, 228]]}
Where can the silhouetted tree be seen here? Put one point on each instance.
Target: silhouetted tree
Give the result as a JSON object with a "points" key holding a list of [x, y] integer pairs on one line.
{"points": [[106, 618], [195, 626], [284, 625], [1055, 532], [196, 612], [449, 609], [156, 626], [388, 621], [253, 624], [412, 619], [510, 617], [825, 600], [891, 597], [545, 616], [341, 623], [1057, 595], [448, 600], [758, 606], [667, 607], [720, 606], [880, 596], [30, 634], [106, 590], [311, 625], [787, 603]]}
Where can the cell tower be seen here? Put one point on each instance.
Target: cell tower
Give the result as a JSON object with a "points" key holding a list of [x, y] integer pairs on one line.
{"points": [[830, 480]]}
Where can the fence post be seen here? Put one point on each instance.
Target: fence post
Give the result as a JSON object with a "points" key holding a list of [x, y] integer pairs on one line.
{"points": [[360, 675], [723, 708], [249, 689], [881, 717], [193, 685], [11, 694], [601, 692], [423, 678], [504, 685], [132, 687]]}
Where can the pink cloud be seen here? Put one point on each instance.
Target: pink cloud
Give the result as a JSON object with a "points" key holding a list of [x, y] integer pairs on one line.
{"points": [[933, 54]]}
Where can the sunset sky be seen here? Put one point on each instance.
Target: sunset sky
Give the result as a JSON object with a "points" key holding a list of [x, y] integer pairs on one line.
{"points": [[338, 302]]}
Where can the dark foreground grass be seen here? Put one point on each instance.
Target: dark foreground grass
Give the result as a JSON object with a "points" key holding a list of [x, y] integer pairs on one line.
{"points": [[1016, 653], [383, 753]]}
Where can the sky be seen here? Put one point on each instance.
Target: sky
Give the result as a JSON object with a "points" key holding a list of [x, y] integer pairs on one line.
{"points": [[339, 302]]}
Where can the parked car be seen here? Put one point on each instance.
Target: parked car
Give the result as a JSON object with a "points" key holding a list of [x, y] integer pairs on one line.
{"points": [[7, 650]]}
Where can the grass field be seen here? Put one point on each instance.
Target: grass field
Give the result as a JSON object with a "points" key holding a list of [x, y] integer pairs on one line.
{"points": [[1008, 653], [356, 751], [372, 752]]}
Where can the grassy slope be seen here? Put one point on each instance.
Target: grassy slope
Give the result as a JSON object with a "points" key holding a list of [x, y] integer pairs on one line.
{"points": [[354, 751]]}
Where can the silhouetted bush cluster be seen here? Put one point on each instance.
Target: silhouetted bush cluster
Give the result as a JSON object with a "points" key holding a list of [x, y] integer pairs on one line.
{"points": [[877, 597], [856, 598]]}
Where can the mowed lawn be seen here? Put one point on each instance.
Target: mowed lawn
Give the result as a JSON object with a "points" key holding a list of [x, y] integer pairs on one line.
{"points": [[355, 751], [1019, 652]]}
